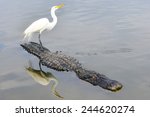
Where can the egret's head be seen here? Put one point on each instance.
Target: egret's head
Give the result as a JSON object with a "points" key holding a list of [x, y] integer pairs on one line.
{"points": [[57, 7]]}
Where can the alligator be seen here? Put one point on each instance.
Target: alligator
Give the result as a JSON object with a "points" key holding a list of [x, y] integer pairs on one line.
{"points": [[61, 62]]}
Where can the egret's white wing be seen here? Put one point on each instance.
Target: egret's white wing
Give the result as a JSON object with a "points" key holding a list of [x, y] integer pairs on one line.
{"points": [[37, 26]]}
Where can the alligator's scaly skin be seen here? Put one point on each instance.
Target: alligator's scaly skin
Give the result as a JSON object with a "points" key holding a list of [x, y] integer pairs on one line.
{"points": [[61, 62]]}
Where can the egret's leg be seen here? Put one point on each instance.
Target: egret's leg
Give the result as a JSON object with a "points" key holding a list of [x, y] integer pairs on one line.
{"points": [[40, 66], [40, 41]]}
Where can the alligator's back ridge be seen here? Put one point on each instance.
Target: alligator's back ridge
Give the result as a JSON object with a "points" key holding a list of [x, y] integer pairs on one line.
{"points": [[61, 62]]}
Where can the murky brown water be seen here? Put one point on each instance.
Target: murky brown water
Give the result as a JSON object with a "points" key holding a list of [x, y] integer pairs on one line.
{"points": [[109, 36]]}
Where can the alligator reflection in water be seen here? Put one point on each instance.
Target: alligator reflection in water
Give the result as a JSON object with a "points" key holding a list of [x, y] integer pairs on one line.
{"points": [[61, 62], [43, 78]]}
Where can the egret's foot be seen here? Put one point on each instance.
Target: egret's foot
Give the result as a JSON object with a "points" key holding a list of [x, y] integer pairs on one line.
{"points": [[41, 48]]}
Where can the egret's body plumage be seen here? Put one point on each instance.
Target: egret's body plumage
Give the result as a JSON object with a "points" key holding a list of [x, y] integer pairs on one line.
{"points": [[38, 26], [42, 24]]}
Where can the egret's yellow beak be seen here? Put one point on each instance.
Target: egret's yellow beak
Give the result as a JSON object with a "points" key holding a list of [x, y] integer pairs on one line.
{"points": [[59, 6]]}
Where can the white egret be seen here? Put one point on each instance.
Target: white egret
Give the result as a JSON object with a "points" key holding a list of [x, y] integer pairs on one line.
{"points": [[42, 24]]}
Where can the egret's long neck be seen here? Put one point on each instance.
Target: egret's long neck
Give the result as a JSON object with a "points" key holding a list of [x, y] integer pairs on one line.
{"points": [[54, 17]]}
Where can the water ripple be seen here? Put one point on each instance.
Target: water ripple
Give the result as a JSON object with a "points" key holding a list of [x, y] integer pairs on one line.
{"points": [[120, 50]]}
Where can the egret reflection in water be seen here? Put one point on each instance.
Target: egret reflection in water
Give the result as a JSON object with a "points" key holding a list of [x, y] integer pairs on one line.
{"points": [[43, 78]]}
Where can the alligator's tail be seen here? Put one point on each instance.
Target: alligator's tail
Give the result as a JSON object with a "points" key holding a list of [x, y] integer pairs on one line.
{"points": [[98, 79]]}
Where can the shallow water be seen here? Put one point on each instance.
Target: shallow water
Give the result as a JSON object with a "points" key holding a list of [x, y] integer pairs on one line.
{"points": [[109, 36]]}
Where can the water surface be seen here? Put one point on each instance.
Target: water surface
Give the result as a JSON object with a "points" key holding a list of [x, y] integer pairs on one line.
{"points": [[109, 36]]}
